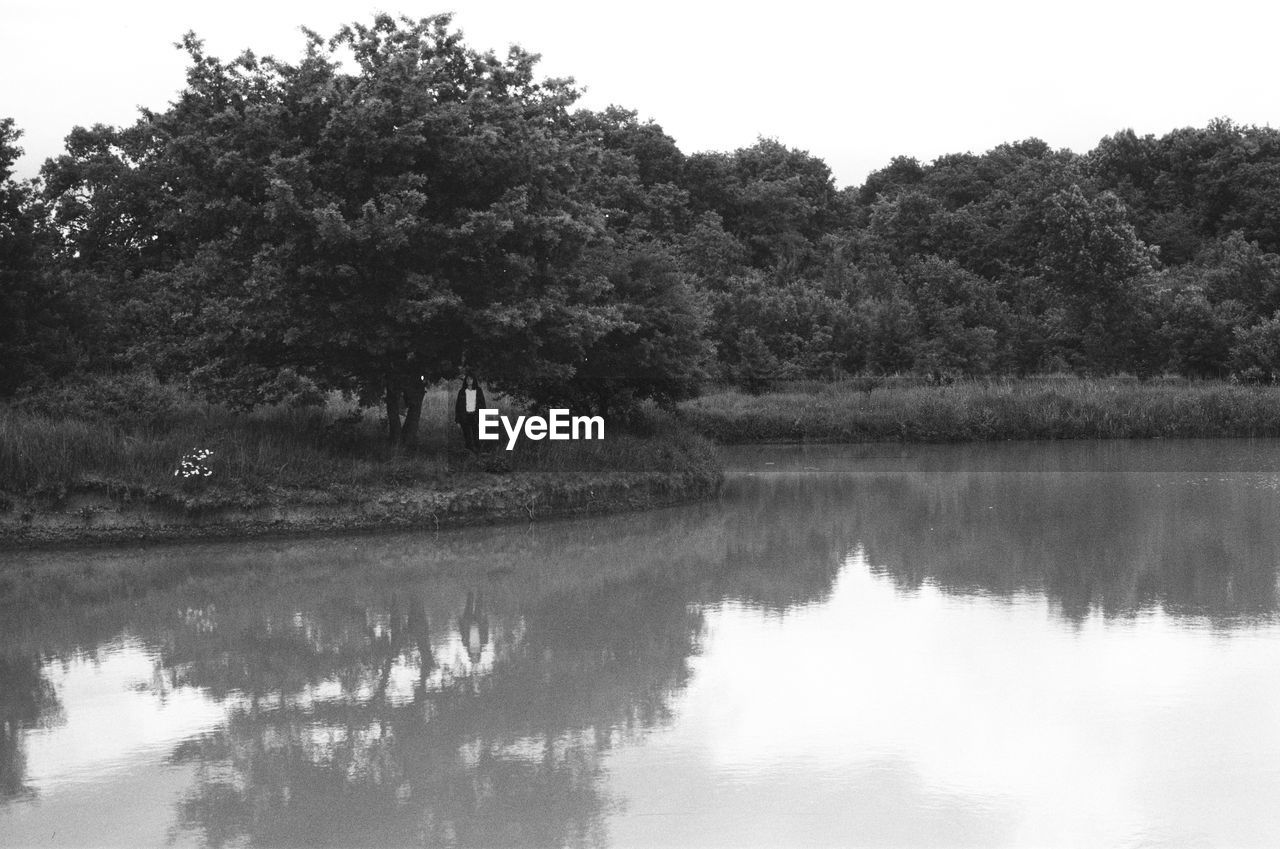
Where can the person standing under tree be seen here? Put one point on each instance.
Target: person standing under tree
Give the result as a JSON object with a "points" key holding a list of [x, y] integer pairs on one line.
{"points": [[466, 411]]}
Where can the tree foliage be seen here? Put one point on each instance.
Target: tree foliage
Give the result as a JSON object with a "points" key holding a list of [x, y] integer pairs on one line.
{"points": [[364, 229], [37, 315], [394, 206]]}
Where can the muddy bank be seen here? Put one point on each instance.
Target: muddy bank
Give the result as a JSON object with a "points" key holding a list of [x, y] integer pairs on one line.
{"points": [[107, 514]]}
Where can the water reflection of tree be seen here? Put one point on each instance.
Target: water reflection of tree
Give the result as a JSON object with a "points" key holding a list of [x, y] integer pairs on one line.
{"points": [[786, 539], [27, 700], [356, 716], [590, 627], [513, 761], [1118, 543], [515, 757]]}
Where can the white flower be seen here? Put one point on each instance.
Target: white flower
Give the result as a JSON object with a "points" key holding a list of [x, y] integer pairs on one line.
{"points": [[192, 464]]}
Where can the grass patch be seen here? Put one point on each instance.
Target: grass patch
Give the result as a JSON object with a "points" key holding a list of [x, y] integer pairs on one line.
{"points": [[1046, 408], [133, 433]]}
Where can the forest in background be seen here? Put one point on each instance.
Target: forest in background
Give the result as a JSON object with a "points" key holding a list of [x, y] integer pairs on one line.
{"points": [[394, 206]]}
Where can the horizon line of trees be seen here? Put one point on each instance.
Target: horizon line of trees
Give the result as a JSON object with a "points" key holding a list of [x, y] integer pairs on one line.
{"points": [[288, 228]]}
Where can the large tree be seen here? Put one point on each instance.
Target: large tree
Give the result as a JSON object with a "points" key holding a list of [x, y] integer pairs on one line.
{"points": [[369, 226]]}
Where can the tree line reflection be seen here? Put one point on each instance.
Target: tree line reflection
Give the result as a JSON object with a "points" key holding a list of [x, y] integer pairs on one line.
{"points": [[460, 690], [1189, 544], [465, 689]]}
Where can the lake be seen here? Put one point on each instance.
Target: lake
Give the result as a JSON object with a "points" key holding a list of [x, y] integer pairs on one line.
{"points": [[1055, 644]]}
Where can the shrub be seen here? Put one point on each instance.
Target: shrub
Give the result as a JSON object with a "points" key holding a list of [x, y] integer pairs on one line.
{"points": [[1255, 358], [126, 399]]}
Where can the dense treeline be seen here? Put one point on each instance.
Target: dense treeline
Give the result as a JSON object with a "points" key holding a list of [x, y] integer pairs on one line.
{"points": [[286, 228]]}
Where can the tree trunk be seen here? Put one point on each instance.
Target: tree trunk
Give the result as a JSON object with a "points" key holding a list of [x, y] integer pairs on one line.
{"points": [[413, 392], [393, 412]]}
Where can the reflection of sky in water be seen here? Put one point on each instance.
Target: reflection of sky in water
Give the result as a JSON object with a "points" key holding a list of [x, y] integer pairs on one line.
{"points": [[108, 757], [926, 718], [1086, 654], [898, 716], [114, 717]]}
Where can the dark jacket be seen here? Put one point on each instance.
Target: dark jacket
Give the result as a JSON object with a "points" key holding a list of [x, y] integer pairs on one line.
{"points": [[460, 406]]}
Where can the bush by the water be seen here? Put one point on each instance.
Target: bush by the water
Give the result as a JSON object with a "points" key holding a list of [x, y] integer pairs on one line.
{"points": [[851, 411]]}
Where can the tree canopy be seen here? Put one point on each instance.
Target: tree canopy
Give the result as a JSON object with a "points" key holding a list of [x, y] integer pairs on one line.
{"points": [[293, 226], [393, 207]]}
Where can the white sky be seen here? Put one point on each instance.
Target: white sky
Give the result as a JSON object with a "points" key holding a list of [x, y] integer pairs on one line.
{"points": [[853, 83]]}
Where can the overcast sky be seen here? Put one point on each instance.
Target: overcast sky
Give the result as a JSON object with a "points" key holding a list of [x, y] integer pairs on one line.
{"points": [[853, 83]]}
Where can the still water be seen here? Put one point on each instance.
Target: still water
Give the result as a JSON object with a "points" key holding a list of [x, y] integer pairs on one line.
{"points": [[1049, 645]]}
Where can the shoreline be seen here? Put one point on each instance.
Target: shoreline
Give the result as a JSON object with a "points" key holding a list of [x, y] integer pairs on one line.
{"points": [[98, 509], [102, 515]]}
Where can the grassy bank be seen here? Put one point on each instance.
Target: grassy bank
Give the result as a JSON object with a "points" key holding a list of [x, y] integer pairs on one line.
{"points": [[988, 410], [123, 442]]}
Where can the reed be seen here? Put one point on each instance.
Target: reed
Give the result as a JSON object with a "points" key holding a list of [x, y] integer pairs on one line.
{"points": [[1044, 408]]}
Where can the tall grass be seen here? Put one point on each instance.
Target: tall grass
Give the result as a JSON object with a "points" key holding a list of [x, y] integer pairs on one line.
{"points": [[73, 440], [275, 447], [988, 410]]}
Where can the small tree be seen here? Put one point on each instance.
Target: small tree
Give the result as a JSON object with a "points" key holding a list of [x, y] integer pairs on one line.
{"points": [[958, 316], [1255, 357], [1200, 335]]}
